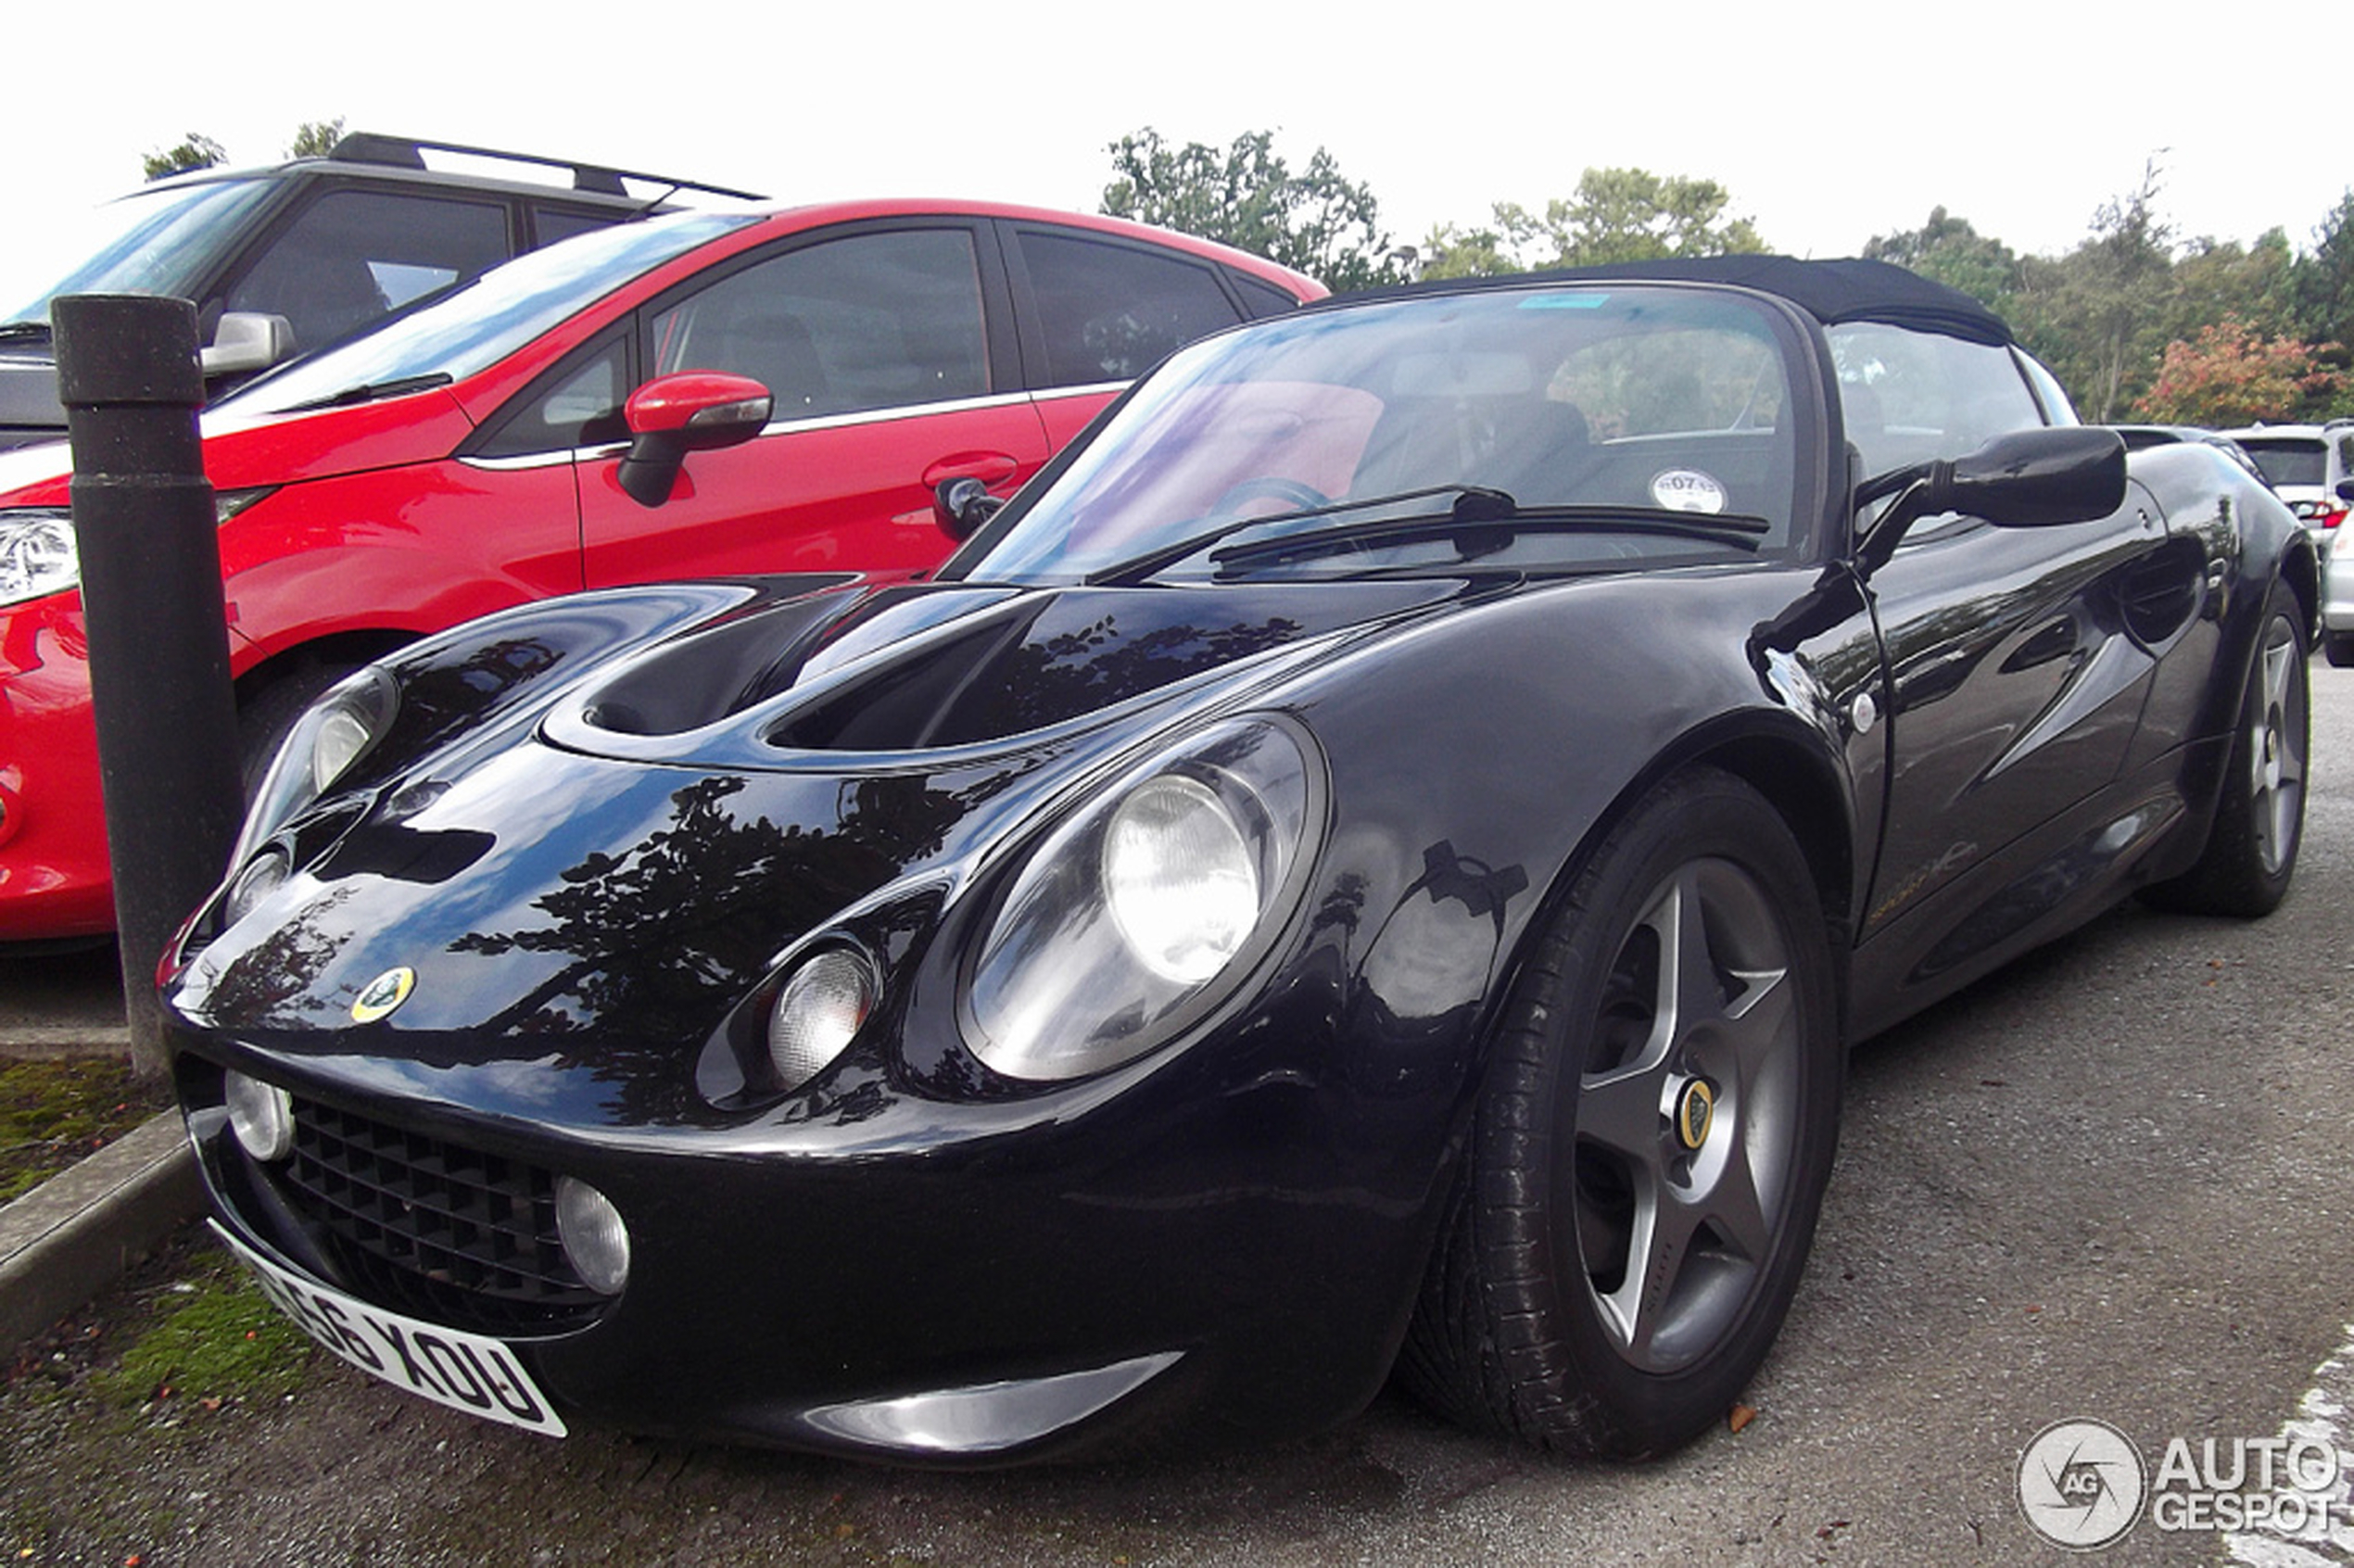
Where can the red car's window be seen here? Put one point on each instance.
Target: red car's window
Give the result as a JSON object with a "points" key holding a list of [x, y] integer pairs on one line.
{"points": [[1111, 312], [875, 320]]}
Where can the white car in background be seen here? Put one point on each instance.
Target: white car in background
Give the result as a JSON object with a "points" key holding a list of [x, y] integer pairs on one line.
{"points": [[2308, 466]]}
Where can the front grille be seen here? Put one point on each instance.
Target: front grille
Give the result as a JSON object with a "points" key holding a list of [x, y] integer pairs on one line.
{"points": [[443, 1232]]}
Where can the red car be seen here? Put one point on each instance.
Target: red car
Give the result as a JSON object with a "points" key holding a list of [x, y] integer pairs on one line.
{"points": [[585, 417]]}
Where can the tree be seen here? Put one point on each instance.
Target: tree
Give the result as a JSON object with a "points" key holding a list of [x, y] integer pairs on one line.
{"points": [[1615, 215], [2233, 374], [1950, 250], [1632, 215], [1317, 222], [2215, 280], [195, 152], [315, 138], [2321, 288], [2096, 316]]}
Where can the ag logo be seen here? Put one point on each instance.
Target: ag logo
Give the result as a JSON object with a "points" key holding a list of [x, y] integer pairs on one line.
{"points": [[381, 996], [2081, 1484]]}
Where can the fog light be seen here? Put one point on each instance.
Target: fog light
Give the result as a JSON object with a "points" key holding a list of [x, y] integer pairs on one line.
{"points": [[262, 1115], [818, 1014], [594, 1238]]}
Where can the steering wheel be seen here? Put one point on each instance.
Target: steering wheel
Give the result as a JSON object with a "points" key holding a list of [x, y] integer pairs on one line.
{"points": [[1294, 494]]}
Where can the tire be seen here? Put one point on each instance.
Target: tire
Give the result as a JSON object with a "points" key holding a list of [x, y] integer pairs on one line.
{"points": [[265, 719], [2260, 815], [1541, 1317], [2338, 648]]}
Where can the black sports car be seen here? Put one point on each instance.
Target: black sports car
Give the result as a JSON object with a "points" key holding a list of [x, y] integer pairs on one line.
{"points": [[1371, 861]]}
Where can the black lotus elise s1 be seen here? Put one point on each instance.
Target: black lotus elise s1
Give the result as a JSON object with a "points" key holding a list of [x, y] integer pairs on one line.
{"points": [[1371, 861]]}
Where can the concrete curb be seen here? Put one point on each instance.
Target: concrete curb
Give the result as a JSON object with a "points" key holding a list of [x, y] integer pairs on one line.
{"points": [[65, 1043], [77, 1232]]}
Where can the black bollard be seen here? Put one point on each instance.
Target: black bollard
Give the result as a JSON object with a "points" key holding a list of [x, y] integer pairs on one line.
{"points": [[148, 539]]}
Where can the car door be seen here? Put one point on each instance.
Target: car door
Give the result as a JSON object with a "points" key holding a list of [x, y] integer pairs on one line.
{"points": [[2015, 676], [891, 364]]}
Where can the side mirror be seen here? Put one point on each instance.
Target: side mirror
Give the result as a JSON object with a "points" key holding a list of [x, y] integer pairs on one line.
{"points": [[2027, 479], [689, 411], [247, 340], [2036, 478], [962, 506]]}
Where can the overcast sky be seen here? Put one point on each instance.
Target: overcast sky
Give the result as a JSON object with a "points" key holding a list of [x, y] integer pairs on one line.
{"points": [[1838, 122]]}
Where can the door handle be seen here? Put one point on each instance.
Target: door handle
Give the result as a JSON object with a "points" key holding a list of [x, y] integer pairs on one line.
{"points": [[990, 468]]}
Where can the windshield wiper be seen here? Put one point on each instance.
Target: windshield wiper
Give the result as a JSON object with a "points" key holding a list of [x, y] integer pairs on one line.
{"points": [[1487, 529], [1472, 499], [14, 332], [371, 391]]}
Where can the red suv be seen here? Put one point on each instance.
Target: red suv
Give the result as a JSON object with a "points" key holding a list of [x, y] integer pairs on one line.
{"points": [[587, 416]]}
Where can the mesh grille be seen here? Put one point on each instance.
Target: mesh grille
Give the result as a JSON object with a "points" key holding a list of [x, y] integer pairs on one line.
{"points": [[445, 1233]]}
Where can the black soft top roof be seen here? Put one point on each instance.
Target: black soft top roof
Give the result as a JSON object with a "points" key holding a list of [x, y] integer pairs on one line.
{"points": [[1847, 290]]}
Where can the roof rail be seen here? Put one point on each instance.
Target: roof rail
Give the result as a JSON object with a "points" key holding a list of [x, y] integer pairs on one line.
{"points": [[408, 152]]}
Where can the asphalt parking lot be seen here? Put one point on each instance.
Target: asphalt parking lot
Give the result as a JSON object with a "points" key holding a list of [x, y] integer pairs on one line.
{"points": [[2110, 1184]]}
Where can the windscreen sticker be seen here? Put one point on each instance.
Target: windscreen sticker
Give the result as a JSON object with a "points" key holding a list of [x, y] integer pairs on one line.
{"points": [[1687, 489], [1581, 300]]}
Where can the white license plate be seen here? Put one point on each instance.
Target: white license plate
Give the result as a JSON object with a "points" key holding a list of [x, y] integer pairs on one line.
{"points": [[465, 1372]]}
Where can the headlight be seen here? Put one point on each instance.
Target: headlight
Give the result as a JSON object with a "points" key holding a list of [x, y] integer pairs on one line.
{"points": [[37, 551], [337, 730], [262, 876], [1180, 879], [1130, 921], [36, 555]]}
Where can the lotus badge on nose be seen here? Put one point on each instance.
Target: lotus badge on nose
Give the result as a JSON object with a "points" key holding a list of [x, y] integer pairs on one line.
{"points": [[384, 993]]}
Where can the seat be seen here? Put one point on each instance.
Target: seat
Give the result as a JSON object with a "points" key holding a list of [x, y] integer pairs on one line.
{"points": [[775, 348]]}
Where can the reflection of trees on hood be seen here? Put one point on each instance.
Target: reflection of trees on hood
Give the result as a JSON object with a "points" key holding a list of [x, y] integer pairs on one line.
{"points": [[439, 699], [281, 966], [662, 938], [1051, 679]]}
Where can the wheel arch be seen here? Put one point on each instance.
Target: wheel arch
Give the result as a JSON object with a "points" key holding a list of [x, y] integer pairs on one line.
{"points": [[1790, 765], [351, 647]]}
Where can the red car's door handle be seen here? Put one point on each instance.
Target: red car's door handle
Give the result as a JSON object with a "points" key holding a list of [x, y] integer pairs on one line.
{"points": [[990, 468]]}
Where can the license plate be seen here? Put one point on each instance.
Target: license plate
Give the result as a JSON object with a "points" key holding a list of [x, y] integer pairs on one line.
{"points": [[465, 1372]]}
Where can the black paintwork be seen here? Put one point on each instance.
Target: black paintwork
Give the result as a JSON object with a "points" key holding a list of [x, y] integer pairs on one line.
{"points": [[600, 827]]}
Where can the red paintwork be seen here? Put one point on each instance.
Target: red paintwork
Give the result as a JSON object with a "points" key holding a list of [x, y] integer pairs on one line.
{"points": [[375, 527], [668, 402]]}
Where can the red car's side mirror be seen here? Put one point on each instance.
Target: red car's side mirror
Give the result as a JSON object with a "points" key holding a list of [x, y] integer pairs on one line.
{"points": [[687, 411]]}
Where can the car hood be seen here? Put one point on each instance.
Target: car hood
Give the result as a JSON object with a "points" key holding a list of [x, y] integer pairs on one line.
{"points": [[248, 453], [582, 907]]}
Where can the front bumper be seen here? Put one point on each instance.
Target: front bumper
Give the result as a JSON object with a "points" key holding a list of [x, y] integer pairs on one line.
{"points": [[1135, 1266], [55, 880]]}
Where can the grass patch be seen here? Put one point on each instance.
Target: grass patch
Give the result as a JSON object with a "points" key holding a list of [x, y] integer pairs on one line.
{"points": [[54, 1113], [214, 1338]]}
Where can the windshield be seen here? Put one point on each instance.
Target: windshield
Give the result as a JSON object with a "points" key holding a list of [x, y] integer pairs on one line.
{"points": [[150, 242], [482, 322], [1628, 411]]}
